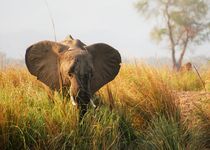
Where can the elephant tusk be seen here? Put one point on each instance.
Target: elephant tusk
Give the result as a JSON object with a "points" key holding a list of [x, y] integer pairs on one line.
{"points": [[91, 101], [73, 101]]}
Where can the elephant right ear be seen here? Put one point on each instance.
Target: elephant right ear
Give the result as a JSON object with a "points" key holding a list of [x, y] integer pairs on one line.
{"points": [[42, 61]]}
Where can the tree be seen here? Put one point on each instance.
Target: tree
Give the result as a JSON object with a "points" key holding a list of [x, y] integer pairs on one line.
{"points": [[183, 22]]}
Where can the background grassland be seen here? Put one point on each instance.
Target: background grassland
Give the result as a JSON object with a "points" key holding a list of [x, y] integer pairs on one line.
{"points": [[138, 110]]}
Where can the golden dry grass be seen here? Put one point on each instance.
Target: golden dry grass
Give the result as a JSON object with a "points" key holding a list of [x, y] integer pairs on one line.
{"points": [[138, 109]]}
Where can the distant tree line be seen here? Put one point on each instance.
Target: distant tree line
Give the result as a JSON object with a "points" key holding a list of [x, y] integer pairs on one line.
{"points": [[7, 62]]}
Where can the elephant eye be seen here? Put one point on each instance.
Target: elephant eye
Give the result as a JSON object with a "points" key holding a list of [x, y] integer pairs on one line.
{"points": [[71, 70], [70, 75]]}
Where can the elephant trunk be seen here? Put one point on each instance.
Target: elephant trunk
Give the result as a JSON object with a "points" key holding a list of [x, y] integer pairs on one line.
{"points": [[80, 93], [83, 99]]}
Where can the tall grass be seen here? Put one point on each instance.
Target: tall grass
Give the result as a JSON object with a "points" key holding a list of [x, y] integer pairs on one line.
{"points": [[203, 128], [138, 110]]}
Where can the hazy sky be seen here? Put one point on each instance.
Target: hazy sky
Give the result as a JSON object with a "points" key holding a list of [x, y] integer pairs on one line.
{"points": [[116, 22]]}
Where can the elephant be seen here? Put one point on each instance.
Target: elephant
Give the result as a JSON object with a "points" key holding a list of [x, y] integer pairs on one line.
{"points": [[72, 67], [73, 43]]}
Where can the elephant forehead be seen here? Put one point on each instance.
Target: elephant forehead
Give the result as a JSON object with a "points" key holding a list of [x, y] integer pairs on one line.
{"points": [[78, 54], [79, 58], [73, 43], [83, 64], [72, 53]]}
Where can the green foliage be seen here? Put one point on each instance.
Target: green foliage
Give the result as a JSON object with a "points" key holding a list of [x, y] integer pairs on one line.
{"points": [[158, 33], [165, 134]]}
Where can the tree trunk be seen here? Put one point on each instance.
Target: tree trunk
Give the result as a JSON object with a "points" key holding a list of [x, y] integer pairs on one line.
{"points": [[171, 38], [175, 65], [182, 54]]}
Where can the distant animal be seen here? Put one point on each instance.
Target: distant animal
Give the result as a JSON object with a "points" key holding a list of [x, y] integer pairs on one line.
{"points": [[186, 67], [74, 68]]}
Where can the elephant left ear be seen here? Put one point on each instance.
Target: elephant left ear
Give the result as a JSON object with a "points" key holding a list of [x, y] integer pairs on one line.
{"points": [[106, 63], [42, 61]]}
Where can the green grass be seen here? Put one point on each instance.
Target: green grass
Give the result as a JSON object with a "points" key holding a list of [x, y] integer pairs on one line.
{"points": [[137, 110]]}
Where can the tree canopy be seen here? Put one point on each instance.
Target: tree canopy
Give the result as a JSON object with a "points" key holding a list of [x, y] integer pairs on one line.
{"points": [[182, 22]]}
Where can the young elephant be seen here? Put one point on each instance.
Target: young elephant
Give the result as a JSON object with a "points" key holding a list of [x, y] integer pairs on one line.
{"points": [[79, 70]]}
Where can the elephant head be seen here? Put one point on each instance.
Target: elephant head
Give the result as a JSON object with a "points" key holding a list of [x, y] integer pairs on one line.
{"points": [[73, 43], [76, 68]]}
